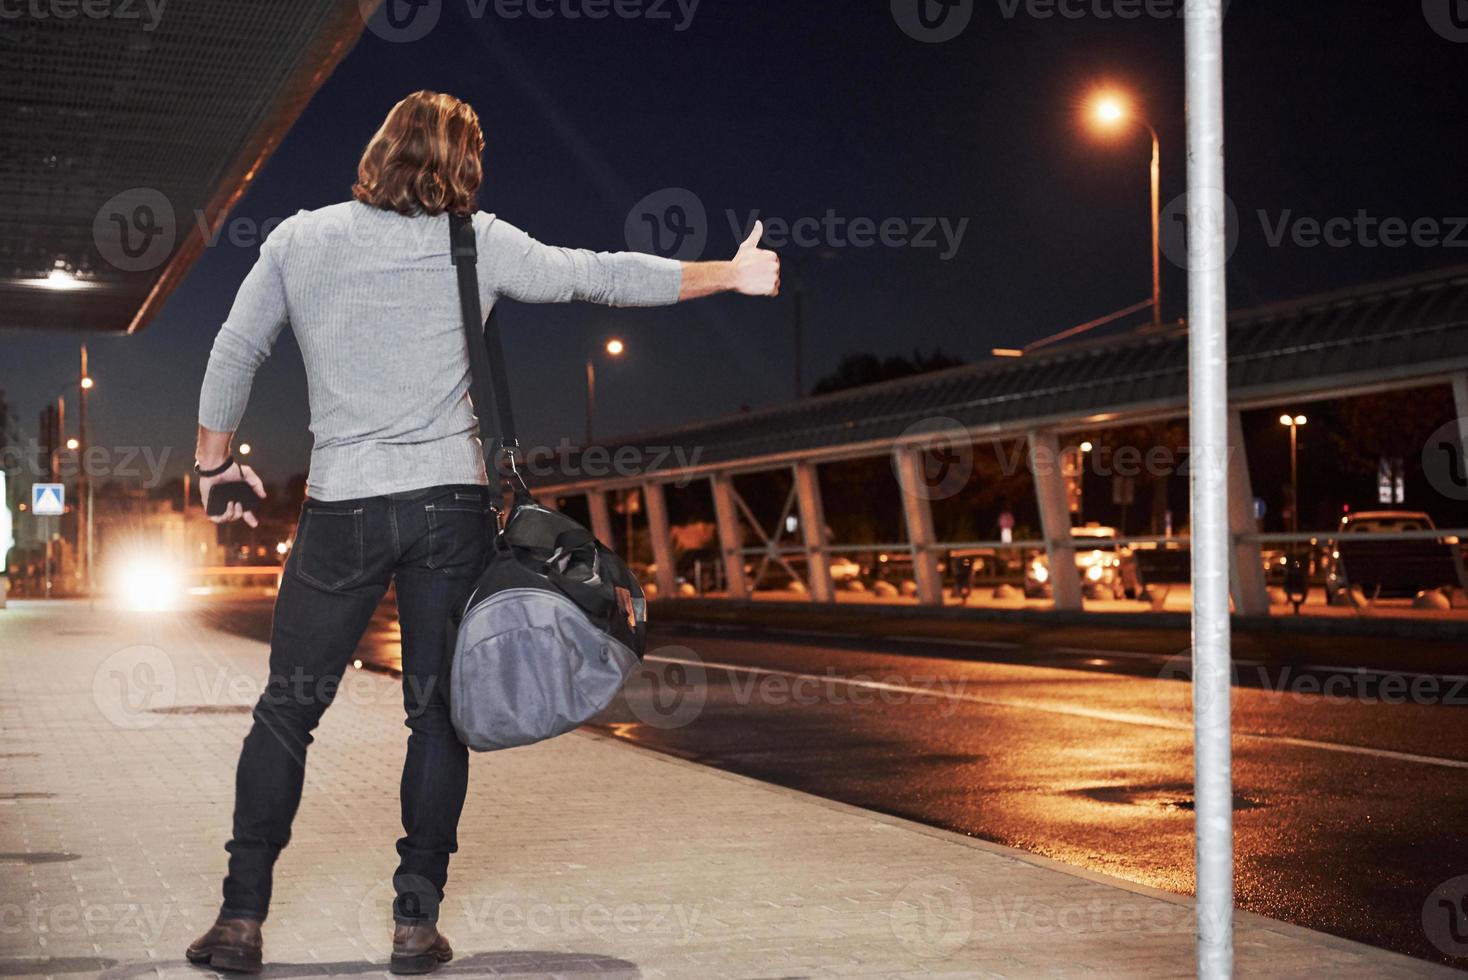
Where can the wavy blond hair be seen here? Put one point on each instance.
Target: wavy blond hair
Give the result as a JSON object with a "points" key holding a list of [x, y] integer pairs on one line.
{"points": [[424, 159]]}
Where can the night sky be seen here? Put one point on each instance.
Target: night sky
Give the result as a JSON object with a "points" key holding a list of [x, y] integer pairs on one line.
{"points": [[803, 108]]}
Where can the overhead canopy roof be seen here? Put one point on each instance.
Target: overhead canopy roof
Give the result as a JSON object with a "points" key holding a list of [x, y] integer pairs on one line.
{"points": [[1386, 334], [118, 131]]}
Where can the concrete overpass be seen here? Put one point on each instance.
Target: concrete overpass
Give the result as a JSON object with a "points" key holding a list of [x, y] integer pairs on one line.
{"points": [[1398, 334]]}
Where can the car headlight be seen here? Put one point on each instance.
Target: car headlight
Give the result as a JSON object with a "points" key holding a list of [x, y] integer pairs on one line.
{"points": [[148, 585]]}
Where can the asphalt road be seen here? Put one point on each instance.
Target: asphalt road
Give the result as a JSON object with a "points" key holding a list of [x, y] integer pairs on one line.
{"points": [[1350, 789]]}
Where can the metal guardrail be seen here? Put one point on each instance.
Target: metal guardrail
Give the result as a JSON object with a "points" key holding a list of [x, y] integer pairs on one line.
{"points": [[1082, 543], [1317, 537]]}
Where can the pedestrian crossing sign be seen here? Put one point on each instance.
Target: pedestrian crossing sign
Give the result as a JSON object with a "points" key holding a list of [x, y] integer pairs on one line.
{"points": [[48, 499]]}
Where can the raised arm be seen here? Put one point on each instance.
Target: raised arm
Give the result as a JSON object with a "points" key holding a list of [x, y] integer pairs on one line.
{"points": [[518, 266]]}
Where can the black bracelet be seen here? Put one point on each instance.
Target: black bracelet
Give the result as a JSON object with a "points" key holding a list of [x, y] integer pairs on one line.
{"points": [[228, 462]]}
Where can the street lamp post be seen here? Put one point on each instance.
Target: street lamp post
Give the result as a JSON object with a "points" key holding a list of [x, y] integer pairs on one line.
{"points": [[53, 466], [1294, 422], [1109, 111], [84, 386], [797, 264], [614, 347]]}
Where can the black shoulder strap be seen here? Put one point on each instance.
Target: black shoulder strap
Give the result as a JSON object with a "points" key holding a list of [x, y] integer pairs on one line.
{"points": [[489, 383]]}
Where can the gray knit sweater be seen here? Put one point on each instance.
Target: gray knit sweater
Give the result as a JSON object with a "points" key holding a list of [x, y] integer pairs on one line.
{"points": [[373, 301]]}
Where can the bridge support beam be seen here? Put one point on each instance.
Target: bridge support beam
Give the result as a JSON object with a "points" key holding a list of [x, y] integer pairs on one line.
{"points": [[661, 536], [731, 536], [1065, 583], [813, 533], [1251, 594], [918, 511], [601, 517]]}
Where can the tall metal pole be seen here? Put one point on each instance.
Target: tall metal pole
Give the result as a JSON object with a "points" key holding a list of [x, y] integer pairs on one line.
{"points": [[84, 385], [799, 340], [46, 576], [52, 559], [1156, 228], [1294, 478], [590, 396], [60, 442], [1208, 414]]}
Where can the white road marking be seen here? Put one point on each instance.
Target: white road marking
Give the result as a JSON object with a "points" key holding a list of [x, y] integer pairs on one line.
{"points": [[827, 634], [1070, 710], [953, 642], [1116, 654]]}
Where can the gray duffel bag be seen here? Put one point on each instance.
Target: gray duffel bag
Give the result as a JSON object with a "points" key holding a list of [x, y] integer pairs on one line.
{"points": [[556, 623]]}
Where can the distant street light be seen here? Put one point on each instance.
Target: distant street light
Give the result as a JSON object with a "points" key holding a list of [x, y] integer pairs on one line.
{"points": [[85, 486], [84, 492], [244, 449], [1294, 422], [1110, 111], [614, 348]]}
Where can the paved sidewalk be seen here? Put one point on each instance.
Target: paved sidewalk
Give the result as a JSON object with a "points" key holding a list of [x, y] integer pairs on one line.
{"points": [[583, 857]]}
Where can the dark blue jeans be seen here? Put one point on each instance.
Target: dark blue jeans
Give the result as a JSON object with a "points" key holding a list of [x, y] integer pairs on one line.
{"points": [[432, 544]]}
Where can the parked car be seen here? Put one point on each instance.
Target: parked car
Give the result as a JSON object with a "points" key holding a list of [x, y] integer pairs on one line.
{"points": [[1390, 568], [1098, 562], [973, 567]]}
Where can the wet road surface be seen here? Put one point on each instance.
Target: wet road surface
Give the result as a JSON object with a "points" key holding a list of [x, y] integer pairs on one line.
{"points": [[1351, 789]]}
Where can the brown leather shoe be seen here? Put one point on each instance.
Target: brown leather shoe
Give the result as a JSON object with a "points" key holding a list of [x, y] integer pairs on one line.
{"points": [[418, 948], [231, 945]]}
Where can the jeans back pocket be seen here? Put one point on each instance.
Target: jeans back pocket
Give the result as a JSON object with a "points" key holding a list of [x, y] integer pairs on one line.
{"points": [[328, 552], [459, 528]]}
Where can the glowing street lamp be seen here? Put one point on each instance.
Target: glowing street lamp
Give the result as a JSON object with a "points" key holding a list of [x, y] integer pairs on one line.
{"points": [[85, 486], [1109, 112], [1294, 422], [614, 348]]}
